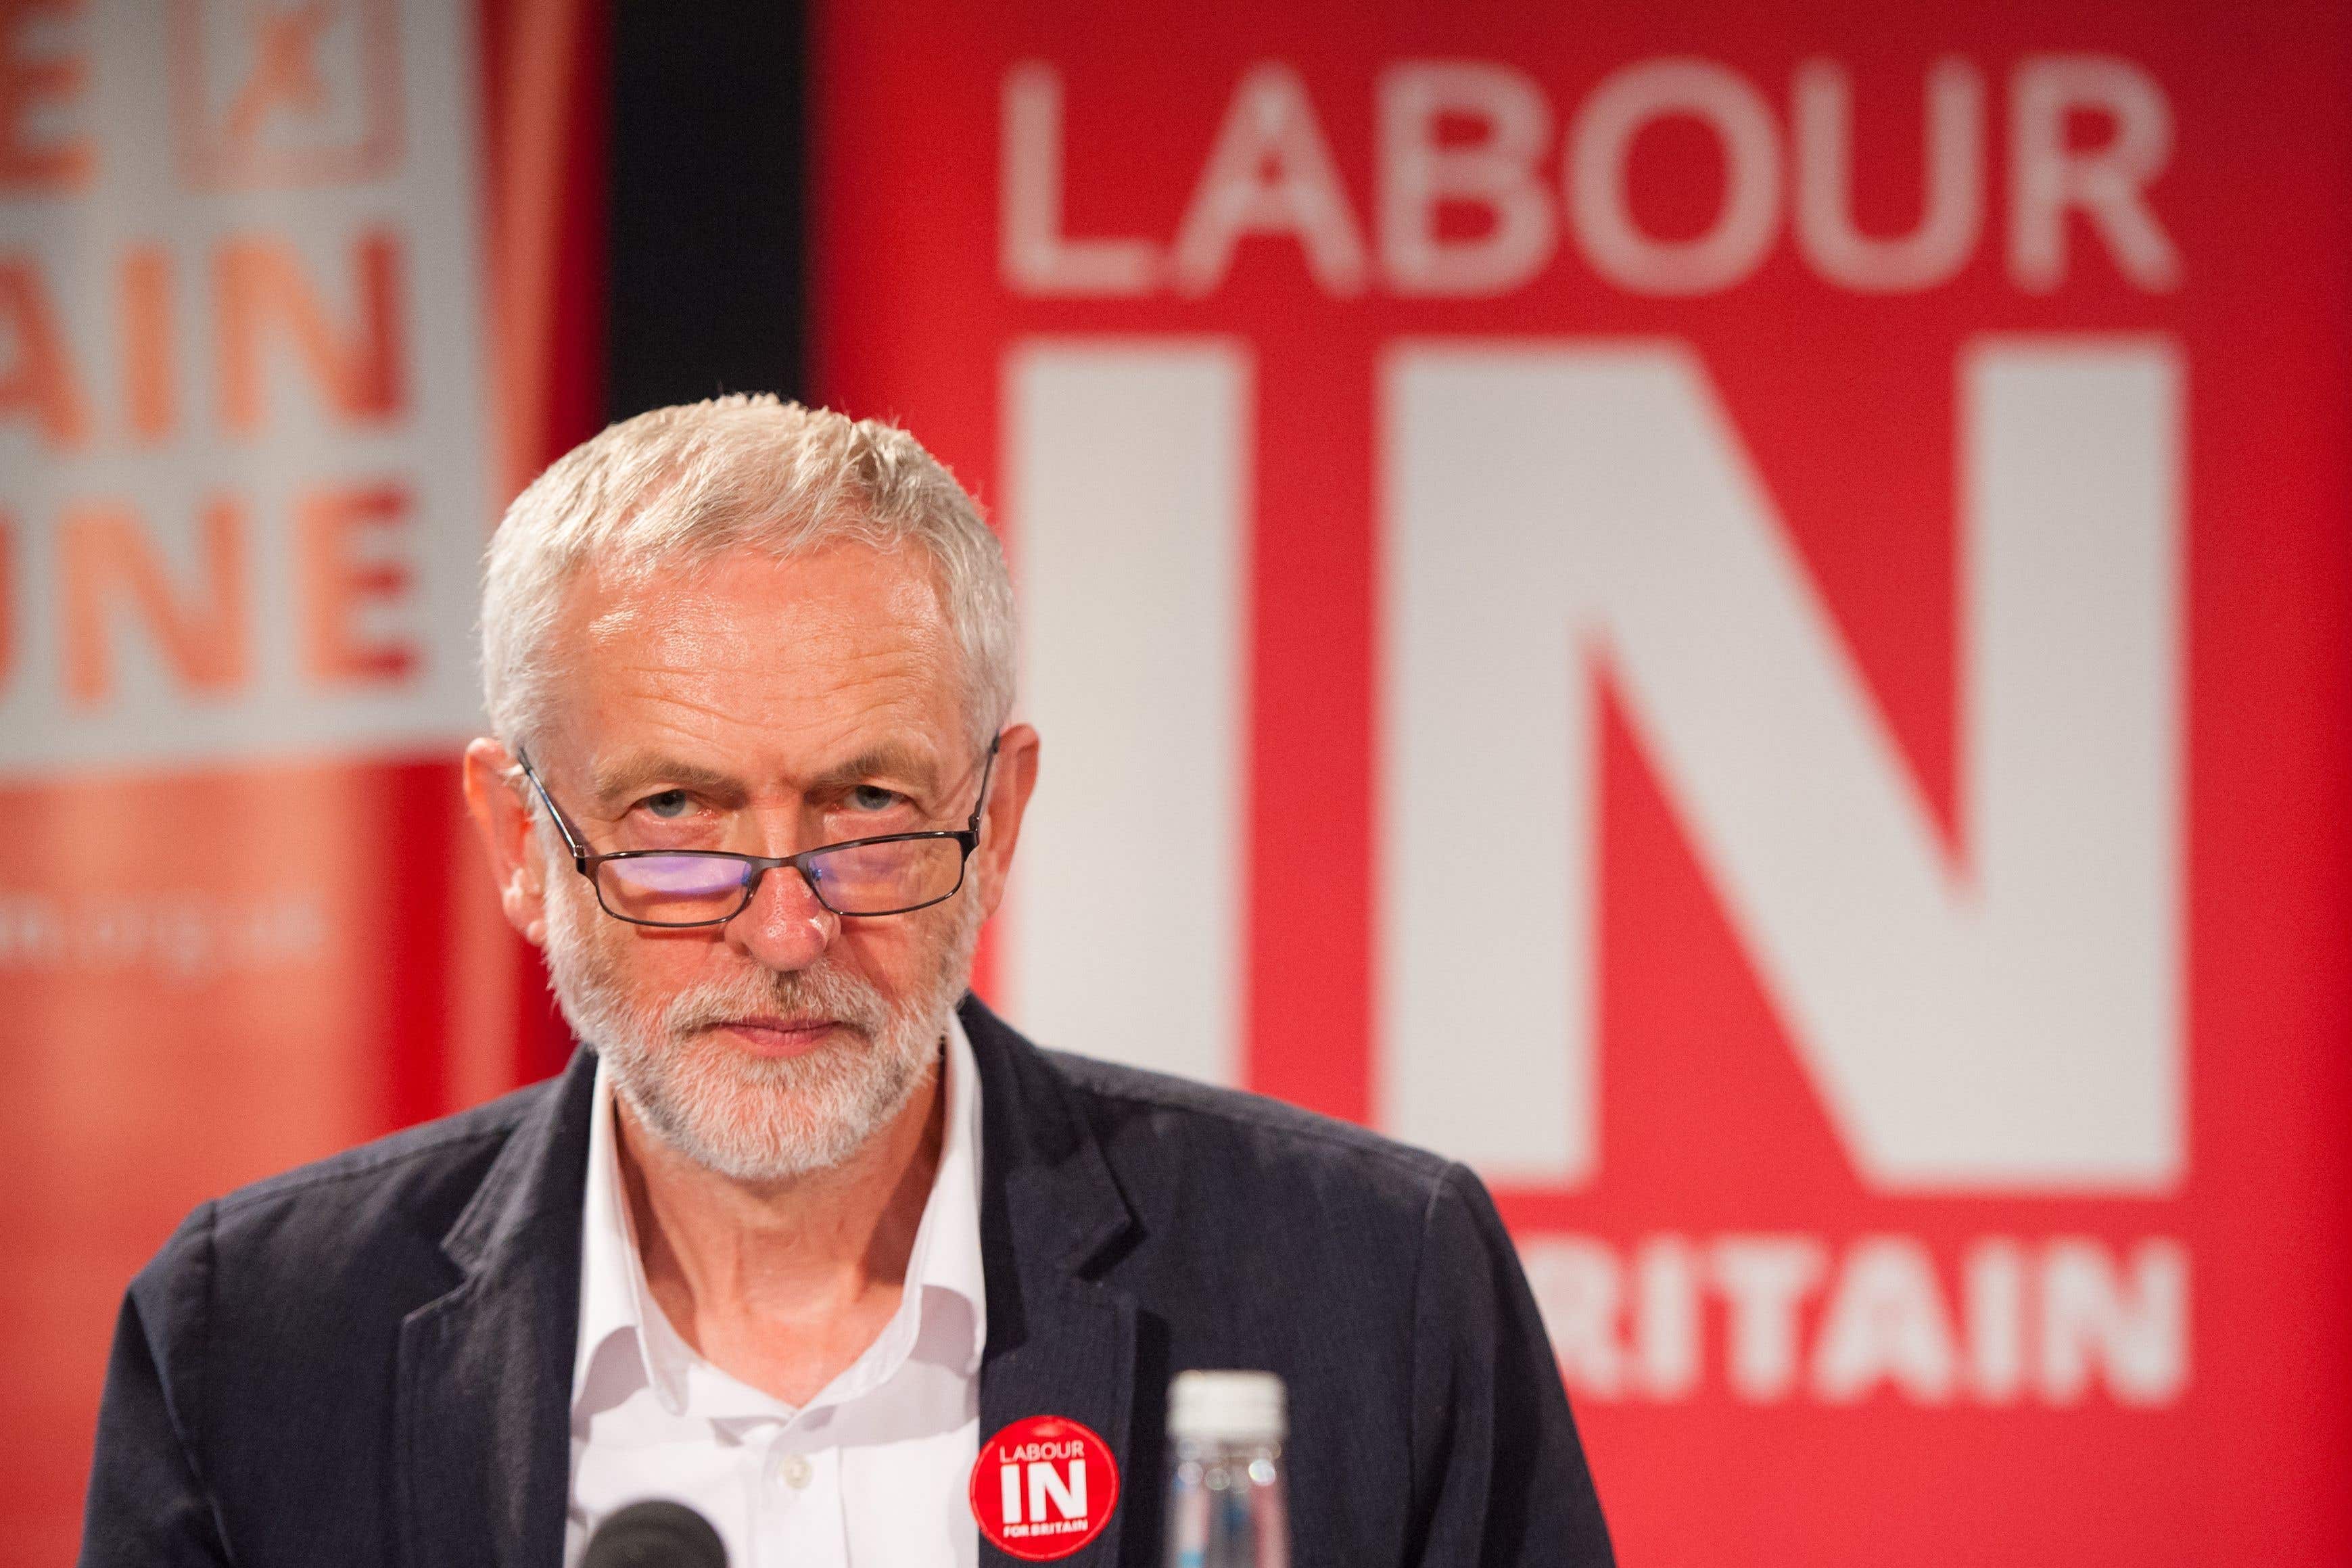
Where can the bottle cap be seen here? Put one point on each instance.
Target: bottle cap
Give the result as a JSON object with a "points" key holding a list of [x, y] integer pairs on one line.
{"points": [[1228, 1406]]}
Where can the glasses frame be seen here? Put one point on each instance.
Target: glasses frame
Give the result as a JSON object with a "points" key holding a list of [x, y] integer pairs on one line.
{"points": [[585, 861]]}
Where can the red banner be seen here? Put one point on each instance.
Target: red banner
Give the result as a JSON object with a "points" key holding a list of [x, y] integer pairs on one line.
{"points": [[261, 393], [1740, 620]]}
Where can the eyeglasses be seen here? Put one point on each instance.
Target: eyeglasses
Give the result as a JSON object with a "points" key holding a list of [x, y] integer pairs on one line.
{"points": [[892, 873]]}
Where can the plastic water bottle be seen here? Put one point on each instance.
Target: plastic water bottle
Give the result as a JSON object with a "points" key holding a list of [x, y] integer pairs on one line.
{"points": [[1225, 1502]]}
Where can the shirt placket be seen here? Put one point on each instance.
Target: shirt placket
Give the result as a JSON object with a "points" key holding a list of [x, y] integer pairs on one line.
{"points": [[800, 1522]]}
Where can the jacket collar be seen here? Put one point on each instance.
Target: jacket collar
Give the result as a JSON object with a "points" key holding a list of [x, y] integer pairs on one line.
{"points": [[484, 1456], [483, 1464], [1060, 1342]]}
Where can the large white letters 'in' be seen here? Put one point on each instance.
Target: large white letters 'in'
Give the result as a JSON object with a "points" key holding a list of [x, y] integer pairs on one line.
{"points": [[2005, 1017]]}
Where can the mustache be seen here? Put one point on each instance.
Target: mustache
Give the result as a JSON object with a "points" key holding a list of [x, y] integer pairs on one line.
{"points": [[822, 991]]}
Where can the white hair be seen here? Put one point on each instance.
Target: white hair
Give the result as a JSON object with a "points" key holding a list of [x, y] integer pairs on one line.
{"points": [[684, 486]]}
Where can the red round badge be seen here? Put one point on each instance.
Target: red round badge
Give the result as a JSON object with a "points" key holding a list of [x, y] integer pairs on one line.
{"points": [[1043, 1488]]}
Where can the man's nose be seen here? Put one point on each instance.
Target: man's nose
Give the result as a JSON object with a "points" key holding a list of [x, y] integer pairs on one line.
{"points": [[784, 927]]}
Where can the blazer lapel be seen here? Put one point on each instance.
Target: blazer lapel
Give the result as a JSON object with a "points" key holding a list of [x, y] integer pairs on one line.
{"points": [[484, 1375], [1059, 1341]]}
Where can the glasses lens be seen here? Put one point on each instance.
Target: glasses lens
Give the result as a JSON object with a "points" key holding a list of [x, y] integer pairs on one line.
{"points": [[882, 879], [672, 890]]}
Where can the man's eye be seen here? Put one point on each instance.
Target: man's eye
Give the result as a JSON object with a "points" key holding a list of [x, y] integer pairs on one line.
{"points": [[872, 798], [669, 805]]}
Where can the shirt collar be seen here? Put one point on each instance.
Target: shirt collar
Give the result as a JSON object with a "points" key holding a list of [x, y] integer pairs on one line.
{"points": [[944, 1306]]}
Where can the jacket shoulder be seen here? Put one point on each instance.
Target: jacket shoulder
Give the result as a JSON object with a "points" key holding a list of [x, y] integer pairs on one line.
{"points": [[1270, 1236], [371, 1216], [1162, 1121], [412, 1154]]}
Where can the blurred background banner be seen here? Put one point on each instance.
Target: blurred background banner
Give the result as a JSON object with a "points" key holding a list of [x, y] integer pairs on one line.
{"points": [[1740, 617], [1736, 615]]}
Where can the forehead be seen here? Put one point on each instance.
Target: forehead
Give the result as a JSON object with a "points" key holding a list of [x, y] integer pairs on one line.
{"points": [[759, 662]]}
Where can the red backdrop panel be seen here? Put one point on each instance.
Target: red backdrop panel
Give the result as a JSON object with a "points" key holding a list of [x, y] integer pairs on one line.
{"points": [[2174, 1386]]}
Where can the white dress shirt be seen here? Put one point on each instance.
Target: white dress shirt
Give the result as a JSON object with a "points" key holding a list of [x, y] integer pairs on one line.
{"points": [[871, 1472]]}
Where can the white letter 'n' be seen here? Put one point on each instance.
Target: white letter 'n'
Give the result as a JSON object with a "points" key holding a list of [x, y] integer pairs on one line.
{"points": [[2005, 1017]]}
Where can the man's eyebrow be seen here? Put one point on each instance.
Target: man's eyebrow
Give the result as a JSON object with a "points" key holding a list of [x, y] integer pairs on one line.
{"points": [[886, 761], [614, 783], [631, 774]]}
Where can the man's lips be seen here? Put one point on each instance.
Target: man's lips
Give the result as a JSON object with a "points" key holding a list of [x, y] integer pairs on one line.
{"points": [[771, 1036]]}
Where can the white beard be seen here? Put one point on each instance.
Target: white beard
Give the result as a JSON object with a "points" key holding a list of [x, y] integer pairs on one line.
{"points": [[754, 1119]]}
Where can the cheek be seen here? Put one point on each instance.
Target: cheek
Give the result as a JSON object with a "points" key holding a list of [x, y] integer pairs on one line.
{"points": [[984, 880], [658, 965], [899, 954], [642, 967]]}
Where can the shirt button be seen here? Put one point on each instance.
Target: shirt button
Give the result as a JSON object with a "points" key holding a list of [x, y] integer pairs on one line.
{"points": [[795, 1471]]}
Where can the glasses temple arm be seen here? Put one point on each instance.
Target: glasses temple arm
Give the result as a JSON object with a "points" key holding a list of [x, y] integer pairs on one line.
{"points": [[578, 850], [980, 807]]}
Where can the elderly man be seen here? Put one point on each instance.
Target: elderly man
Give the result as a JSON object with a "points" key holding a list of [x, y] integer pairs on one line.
{"points": [[803, 1223]]}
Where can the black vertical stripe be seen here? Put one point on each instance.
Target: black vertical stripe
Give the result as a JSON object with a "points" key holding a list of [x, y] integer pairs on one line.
{"points": [[709, 193]]}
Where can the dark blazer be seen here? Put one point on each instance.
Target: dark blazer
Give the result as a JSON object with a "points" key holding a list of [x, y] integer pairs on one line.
{"points": [[368, 1360]]}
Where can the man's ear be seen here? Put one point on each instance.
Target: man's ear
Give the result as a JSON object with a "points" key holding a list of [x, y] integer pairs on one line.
{"points": [[1008, 801], [493, 799]]}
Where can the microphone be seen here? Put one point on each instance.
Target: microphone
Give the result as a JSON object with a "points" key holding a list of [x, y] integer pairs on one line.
{"points": [[654, 1534]]}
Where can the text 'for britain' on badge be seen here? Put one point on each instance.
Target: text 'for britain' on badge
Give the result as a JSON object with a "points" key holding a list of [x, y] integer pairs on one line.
{"points": [[1043, 1486]]}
